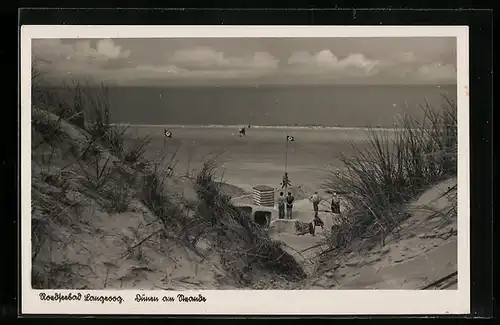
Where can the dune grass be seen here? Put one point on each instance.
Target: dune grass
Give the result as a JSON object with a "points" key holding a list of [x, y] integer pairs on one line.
{"points": [[244, 245], [154, 192], [397, 166], [79, 159]]}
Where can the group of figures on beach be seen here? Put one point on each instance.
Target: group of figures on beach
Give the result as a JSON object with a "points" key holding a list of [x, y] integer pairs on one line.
{"points": [[285, 209], [285, 202]]}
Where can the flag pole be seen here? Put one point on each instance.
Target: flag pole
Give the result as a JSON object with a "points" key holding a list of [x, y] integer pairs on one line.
{"points": [[286, 163], [286, 152], [164, 139]]}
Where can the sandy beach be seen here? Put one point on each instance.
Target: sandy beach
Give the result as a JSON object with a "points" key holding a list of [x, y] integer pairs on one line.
{"points": [[259, 157], [256, 159]]}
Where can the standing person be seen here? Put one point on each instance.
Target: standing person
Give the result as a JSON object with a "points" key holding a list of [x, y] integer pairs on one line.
{"points": [[315, 199], [335, 205], [281, 206], [286, 182], [312, 228], [289, 205], [317, 221]]}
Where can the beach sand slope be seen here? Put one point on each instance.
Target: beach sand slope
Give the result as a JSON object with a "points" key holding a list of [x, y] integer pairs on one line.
{"points": [[425, 251]]}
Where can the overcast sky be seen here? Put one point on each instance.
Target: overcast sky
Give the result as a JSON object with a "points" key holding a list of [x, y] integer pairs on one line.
{"points": [[232, 61]]}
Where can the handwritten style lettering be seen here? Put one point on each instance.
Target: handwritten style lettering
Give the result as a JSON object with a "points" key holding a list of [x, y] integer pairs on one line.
{"points": [[168, 299], [144, 298], [183, 298], [103, 299], [58, 297]]}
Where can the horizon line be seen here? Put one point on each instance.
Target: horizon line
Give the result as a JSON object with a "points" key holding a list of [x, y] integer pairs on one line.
{"points": [[228, 126]]}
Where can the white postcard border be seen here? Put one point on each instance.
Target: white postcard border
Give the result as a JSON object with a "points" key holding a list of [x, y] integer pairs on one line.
{"points": [[254, 302]]}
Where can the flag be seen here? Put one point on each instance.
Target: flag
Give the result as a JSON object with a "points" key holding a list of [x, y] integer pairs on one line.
{"points": [[289, 138], [168, 134]]}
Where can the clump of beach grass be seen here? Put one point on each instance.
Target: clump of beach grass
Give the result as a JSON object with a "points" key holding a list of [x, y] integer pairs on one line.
{"points": [[135, 154], [154, 193], [83, 104], [244, 245], [80, 160], [396, 167]]}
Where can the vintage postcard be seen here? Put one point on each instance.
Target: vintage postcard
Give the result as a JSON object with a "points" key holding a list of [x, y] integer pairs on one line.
{"points": [[260, 170]]}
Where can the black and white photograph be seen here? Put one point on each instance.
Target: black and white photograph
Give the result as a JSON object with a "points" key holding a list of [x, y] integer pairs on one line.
{"points": [[199, 168]]}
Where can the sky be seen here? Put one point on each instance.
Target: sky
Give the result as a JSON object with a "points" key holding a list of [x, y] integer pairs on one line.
{"points": [[249, 61]]}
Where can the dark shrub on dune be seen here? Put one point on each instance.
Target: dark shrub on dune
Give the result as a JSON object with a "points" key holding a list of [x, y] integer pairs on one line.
{"points": [[243, 243], [246, 210], [108, 172], [79, 159]]}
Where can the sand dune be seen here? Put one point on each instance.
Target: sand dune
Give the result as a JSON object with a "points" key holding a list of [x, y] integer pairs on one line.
{"points": [[130, 250], [425, 251], [258, 159]]}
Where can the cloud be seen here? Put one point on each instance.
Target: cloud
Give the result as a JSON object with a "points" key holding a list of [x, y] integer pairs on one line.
{"points": [[408, 65], [54, 50], [172, 72], [79, 59], [107, 61], [202, 58], [326, 63], [400, 67], [437, 71], [110, 62], [404, 57]]}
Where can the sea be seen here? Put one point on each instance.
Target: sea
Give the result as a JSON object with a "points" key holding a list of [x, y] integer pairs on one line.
{"points": [[337, 106], [324, 121]]}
